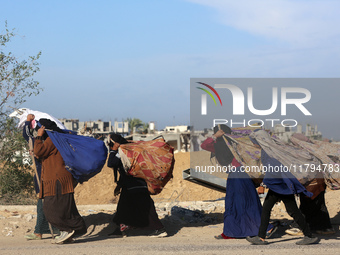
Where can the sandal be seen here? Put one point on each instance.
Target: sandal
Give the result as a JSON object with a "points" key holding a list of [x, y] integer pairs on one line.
{"points": [[223, 236], [271, 231], [117, 233], [294, 232], [33, 236], [256, 240]]}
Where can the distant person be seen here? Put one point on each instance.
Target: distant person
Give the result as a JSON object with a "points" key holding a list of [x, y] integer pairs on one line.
{"points": [[242, 216], [135, 207], [41, 226], [57, 188]]}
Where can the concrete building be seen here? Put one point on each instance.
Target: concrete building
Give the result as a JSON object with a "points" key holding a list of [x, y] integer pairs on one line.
{"points": [[121, 127], [97, 126], [70, 124], [177, 129], [284, 133], [177, 136]]}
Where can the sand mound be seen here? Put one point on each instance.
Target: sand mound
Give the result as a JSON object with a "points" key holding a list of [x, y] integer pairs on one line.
{"points": [[99, 189]]}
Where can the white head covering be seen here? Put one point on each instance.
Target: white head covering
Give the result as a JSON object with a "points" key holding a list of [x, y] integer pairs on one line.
{"points": [[22, 113]]}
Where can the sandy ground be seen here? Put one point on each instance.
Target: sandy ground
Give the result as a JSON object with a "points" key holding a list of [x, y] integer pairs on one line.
{"points": [[188, 233]]}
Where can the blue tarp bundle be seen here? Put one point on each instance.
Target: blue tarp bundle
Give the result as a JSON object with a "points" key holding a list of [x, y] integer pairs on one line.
{"points": [[84, 156]]}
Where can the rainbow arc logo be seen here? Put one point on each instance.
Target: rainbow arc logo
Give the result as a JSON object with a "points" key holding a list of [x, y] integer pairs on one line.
{"points": [[204, 97]]}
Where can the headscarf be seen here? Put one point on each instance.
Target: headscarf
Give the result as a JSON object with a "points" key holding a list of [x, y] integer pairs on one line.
{"points": [[121, 140], [49, 125], [223, 154], [117, 139]]}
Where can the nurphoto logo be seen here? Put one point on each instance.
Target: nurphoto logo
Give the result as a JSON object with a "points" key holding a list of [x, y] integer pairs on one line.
{"points": [[243, 99]]}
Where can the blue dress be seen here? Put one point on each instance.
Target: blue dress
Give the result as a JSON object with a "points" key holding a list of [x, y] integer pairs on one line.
{"points": [[242, 216]]}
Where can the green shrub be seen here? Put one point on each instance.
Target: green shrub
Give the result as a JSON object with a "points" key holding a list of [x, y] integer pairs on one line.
{"points": [[16, 176], [16, 84]]}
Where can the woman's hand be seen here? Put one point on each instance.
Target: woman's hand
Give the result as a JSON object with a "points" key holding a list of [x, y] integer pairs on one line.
{"points": [[219, 133], [30, 117], [117, 190], [41, 131]]}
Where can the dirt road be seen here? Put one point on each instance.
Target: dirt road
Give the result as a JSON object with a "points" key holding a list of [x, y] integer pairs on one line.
{"points": [[188, 233], [188, 240]]}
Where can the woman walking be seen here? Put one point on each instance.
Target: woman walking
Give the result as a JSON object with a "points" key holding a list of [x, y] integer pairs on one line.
{"points": [[57, 189]]}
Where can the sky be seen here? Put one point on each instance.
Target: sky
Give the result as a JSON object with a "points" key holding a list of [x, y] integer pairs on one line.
{"points": [[113, 60]]}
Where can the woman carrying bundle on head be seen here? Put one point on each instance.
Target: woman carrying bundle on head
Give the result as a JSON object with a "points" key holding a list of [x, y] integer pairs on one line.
{"points": [[242, 216]]}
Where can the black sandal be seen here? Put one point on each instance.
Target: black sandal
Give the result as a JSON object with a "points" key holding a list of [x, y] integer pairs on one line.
{"points": [[256, 240], [116, 233], [271, 231]]}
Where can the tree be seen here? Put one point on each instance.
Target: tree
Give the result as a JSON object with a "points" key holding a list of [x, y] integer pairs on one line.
{"points": [[16, 84], [138, 124]]}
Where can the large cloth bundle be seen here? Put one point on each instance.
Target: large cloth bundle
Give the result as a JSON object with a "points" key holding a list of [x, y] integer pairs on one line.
{"points": [[152, 161], [245, 152], [329, 155], [249, 155], [84, 157], [296, 160]]}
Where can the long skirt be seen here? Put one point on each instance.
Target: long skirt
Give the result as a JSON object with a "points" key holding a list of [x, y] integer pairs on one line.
{"points": [[242, 216], [61, 211], [137, 209]]}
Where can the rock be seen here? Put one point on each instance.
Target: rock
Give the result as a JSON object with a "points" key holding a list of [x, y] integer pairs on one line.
{"points": [[15, 224], [28, 217], [187, 215], [16, 216], [10, 233]]}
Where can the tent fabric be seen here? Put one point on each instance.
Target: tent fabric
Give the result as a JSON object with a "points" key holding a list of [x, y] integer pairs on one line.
{"points": [[84, 156]]}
